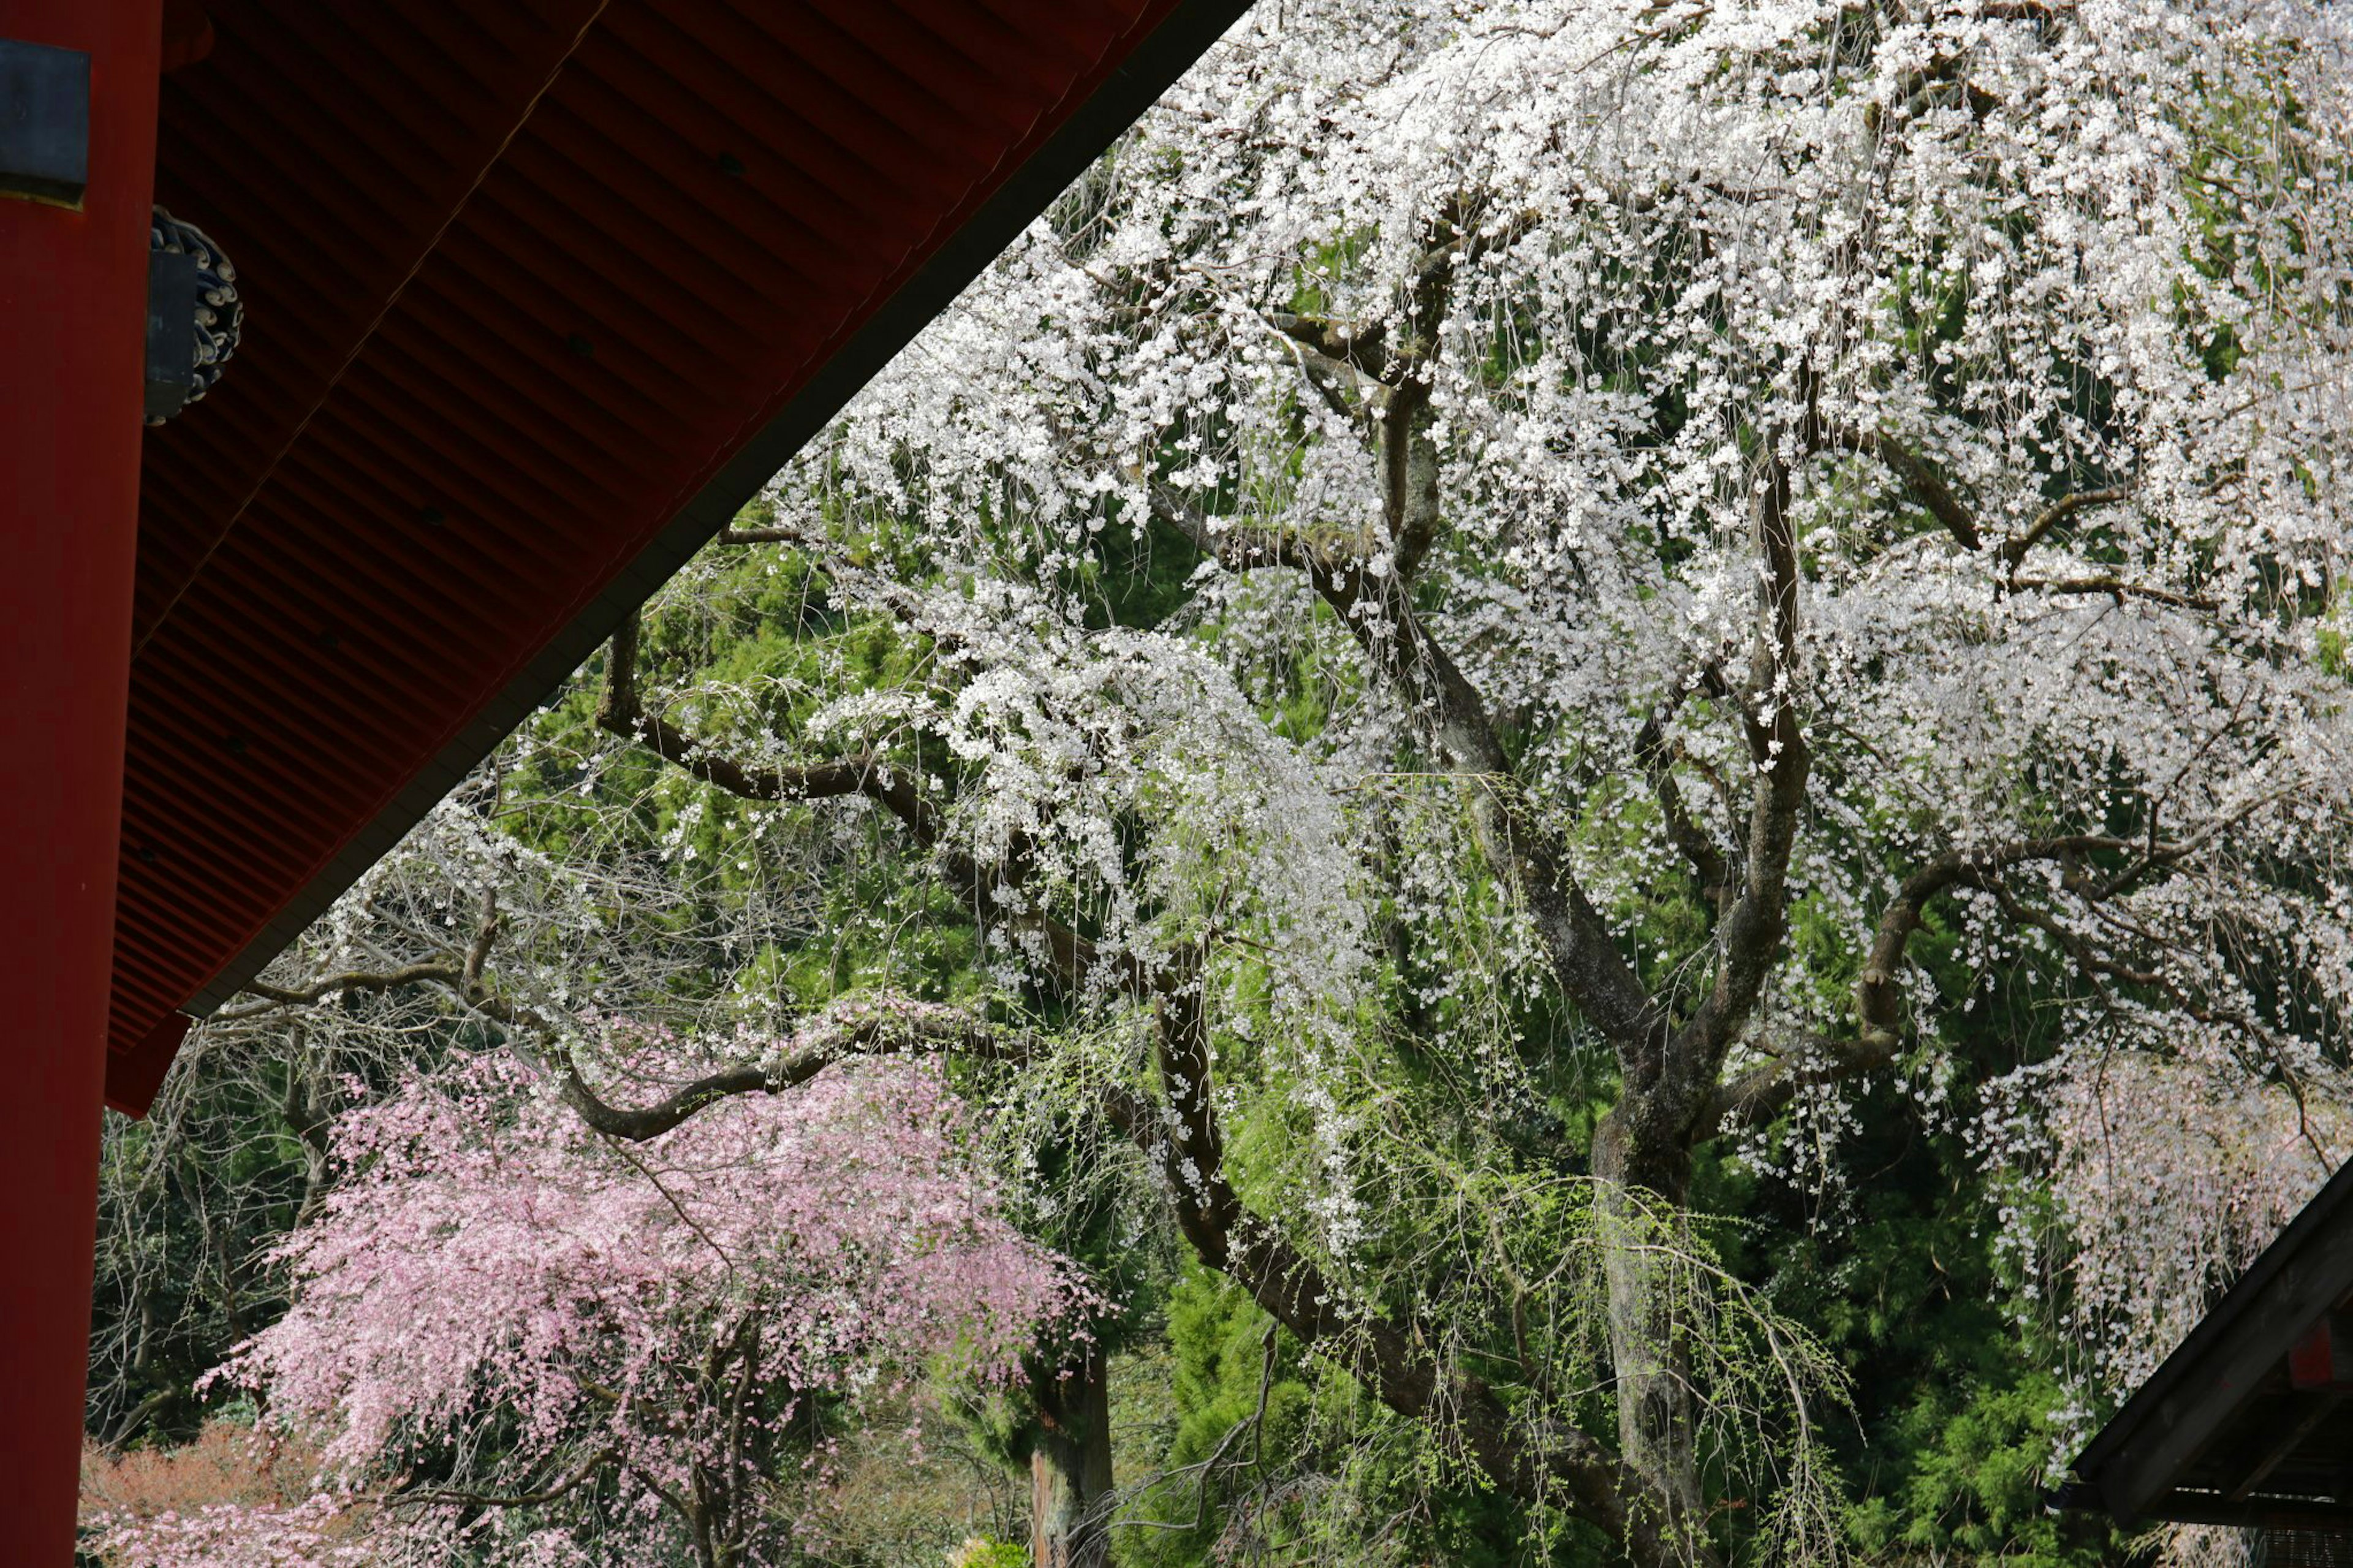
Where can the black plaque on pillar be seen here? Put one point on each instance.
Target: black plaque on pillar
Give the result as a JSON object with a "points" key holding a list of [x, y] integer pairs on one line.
{"points": [[43, 123]]}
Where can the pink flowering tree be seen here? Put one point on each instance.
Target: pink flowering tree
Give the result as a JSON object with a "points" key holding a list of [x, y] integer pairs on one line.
{"points": [[527, 1340]]}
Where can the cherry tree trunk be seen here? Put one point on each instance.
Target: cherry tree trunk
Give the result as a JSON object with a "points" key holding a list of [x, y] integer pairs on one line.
{"points": [[1070, 1470], [1657, 1425]]}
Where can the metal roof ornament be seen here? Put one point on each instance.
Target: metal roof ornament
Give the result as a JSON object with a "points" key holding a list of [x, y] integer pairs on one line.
{"points": [[194, 316]]}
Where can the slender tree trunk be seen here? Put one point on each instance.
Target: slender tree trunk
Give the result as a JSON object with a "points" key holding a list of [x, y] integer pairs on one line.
{"points": [[1070, 1470], [1657, 1424]]}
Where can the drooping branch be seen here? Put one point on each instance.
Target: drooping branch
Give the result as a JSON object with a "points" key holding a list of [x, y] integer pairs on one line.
{"points": [[2119, 590], [446, 1497], [1242, 547], [276, 997], [873, 1027], [1941, 503], [1755, 1097], [623, 713], [1362, 352]]}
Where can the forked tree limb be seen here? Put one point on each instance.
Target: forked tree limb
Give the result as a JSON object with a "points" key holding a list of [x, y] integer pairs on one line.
{"points": [[1750, 936], [1758, 1095]]}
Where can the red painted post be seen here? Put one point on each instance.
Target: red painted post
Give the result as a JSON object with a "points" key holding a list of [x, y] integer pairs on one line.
{"points": [[73, 289]]}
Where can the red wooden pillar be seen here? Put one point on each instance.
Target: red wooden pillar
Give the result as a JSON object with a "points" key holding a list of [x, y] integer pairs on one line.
{"points": [[73, 289]]}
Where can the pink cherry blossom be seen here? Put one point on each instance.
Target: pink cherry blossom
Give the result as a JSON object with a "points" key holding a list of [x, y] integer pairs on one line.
{"points": [[498, 1302]]}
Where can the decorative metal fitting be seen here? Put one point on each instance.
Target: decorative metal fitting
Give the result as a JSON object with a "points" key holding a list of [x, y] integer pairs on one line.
{"points": [[193, 315]]}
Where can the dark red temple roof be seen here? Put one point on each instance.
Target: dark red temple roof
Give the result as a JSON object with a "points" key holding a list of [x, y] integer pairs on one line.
{"points": [[538, 292]]}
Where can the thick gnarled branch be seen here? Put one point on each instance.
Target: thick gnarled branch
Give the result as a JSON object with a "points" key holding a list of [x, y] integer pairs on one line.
{"points": [[276, 997], [869, 1029], [623, 713], [1933, 494], [2014, 549]]}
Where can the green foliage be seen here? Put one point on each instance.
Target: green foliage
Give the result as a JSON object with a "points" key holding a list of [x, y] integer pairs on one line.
{"points": [[1277, 1458], [981, 1552], [1946, 1456]]}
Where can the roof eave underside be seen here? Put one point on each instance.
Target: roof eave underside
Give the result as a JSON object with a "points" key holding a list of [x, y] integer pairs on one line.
{"points": [[2131, 1467], [178, 725]]}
